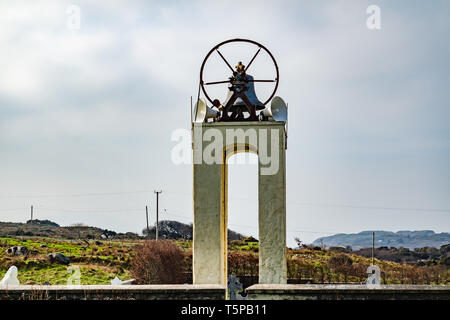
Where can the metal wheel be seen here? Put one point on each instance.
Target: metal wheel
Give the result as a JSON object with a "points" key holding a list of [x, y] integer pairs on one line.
{"points": [[216, 49]]}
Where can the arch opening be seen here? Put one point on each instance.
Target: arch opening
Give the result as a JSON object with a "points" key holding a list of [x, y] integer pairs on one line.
{"points": [[242, 201]]}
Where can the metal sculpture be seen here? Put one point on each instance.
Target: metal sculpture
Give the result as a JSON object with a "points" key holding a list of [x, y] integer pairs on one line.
{"points": [[241, 103]]}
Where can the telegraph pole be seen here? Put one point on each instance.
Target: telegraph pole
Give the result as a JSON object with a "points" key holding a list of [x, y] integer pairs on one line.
{"points": [[373, 246], [31, 213], [146, 215], [157, 212]]}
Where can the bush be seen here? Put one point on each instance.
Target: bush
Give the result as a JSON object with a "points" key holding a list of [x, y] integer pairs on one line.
{"points": [[242, 263], [341, 263], [158, 262], [340, 260], [250, 239], [298, 268]]}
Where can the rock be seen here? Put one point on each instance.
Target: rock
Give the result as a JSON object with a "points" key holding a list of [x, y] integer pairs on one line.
{"points": [[17, 251], [10, 278], [117, 282], [44, 246], [58, 257]]}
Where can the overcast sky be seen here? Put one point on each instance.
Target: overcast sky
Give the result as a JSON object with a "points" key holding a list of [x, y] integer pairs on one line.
{"points": [[86, 115]]}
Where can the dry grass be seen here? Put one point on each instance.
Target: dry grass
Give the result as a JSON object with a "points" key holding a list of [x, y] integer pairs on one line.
{"points": [[158, 262]]}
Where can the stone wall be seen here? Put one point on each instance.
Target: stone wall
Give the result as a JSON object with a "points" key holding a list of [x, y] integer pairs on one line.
{"points": [[109, 292], [347, 292], [218, 292]]}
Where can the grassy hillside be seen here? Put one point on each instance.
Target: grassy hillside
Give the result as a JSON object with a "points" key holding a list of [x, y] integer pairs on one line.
{"points": [[46, 228], [100, 262]]}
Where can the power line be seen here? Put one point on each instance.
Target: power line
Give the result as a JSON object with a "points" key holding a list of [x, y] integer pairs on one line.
{"points": [[177, 215], [91, 210], [312, 204], [240, 198], [291, 231], [369, 207], [13, 209], [93, 194], [190, 218], [256, 227], [171, 214]]}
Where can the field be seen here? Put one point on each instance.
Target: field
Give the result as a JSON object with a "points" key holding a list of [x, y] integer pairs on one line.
{"points": [[100, 261]]}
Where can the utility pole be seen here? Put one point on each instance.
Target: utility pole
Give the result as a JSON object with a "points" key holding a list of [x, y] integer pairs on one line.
{"points": [[146, 215], [157, 212], [31, 213], [373, 246]]}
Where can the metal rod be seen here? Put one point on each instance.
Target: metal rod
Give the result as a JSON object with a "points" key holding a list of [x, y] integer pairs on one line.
{"points": [[261, 80], [373, 246], [253, 59], [225, 60], [216, 82], [287, 126]]}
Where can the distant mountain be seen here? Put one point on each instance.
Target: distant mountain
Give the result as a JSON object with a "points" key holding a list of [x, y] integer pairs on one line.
{"points": [[406, 239]]}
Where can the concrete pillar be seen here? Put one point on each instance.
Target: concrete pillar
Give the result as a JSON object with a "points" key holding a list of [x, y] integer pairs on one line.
{"points": [[210, 205], [272, 219], [209, 245]]}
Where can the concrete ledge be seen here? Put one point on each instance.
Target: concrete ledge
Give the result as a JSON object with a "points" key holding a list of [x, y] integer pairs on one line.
{"points": [[241, 124], [109, 292], [346, 292]]}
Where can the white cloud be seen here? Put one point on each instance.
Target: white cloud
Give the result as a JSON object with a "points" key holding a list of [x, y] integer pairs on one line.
{"points": [[93, 109]]}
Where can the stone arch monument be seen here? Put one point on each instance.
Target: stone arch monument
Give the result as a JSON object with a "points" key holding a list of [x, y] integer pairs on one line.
{"points": [[237, 127]]}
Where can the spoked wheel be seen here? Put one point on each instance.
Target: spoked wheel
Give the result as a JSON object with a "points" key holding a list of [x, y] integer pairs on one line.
{"points": [[239, 85]]}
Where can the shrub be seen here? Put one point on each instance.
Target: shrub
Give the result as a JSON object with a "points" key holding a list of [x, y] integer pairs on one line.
{"points": [[340, 260], [341, 263], [158, 262], [250, 239], [298, 268], [242, 263]]}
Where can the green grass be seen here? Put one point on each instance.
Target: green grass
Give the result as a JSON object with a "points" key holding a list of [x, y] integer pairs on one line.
{"points": [[58, 275], [237, 245], [100, 263]]}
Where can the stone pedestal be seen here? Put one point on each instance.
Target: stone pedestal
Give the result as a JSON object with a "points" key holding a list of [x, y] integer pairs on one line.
{"points": [[213, 144]]}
